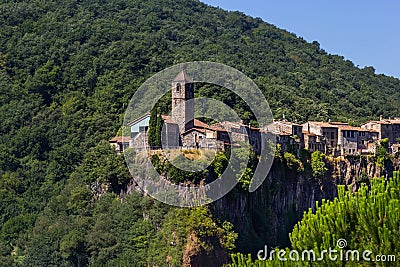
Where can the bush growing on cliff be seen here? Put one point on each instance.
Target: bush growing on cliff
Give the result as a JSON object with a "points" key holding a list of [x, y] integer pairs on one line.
{"points": [[382, 154], [318, 164], [292, 162], [187, 232]]}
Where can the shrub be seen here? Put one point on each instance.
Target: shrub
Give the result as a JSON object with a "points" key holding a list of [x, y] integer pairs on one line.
{"points": [[292, 162], [318, 164]]}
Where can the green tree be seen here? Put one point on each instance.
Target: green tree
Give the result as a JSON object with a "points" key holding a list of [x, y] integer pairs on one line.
{"points": [[318, 164], [159, 126], [367, 220], [152, 132], [382, 152]]}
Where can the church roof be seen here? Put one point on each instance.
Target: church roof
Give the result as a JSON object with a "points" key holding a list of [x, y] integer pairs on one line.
{"points": [[200, 124], [183, 77]]}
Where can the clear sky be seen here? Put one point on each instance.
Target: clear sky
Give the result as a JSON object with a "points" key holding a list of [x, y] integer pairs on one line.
{"points": [[364, 31]]}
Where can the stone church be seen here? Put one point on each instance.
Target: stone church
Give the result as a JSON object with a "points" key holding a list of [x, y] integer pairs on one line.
{"points": [[182, 131], [193, 133]]}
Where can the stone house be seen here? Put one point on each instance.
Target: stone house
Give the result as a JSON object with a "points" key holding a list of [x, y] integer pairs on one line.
{"points": [[348, 140], [366, 141], [313, 142], [239, 132], [329, 132], [339, 138], [203, 136], [288, 135], [386, 128], [120, 143]]}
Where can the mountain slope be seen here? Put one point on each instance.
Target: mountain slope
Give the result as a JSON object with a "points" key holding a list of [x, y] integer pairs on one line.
{"points": [[68, 69]]}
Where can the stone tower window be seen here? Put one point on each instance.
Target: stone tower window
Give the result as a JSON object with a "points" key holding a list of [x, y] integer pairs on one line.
{"points": [[178, 87]]}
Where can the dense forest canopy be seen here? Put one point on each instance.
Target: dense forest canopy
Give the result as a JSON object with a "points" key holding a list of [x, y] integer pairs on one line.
{"points": [[67, 71]]}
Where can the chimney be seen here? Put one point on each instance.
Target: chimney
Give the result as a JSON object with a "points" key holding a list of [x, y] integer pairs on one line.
{"points": [[381, 117]]}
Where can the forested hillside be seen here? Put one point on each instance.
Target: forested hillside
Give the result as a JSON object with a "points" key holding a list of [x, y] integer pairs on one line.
{"points": [[67, 71]]}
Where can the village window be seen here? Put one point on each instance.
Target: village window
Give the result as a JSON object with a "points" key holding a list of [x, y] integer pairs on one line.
{"points": [[143, 129], [178, 87]]}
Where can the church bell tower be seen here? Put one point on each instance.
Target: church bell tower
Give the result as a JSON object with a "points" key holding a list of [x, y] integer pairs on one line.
{"points": [[182, 109]]}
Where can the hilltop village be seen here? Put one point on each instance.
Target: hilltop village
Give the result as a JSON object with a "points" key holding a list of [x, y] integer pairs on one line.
{"points": [[182, 130]]}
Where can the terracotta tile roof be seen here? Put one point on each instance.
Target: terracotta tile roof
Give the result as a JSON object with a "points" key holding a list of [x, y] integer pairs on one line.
{"points": [[333, 124], [195, 129], [276, 132], [200, 124], [339, 123], [385, 122], [378, 122], [217, 127], [395, 121], [323, 124], [120, 139], [287, 123], [349, 128], [197, 123]]}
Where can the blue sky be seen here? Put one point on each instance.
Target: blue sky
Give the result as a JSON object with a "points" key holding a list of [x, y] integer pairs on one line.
{"points": [[365, 32]]}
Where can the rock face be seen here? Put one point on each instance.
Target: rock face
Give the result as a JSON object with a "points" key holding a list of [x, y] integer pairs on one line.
{"points": [[195, 256], [267, 216]]}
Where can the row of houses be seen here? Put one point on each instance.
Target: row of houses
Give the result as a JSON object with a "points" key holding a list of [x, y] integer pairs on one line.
{"points": [[182, 130], [331, 138], [337, 138]]}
